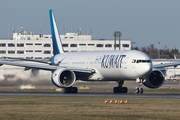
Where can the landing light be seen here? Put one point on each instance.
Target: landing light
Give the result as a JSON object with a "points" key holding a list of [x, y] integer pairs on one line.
{"points": [[111, 101], [105, 101], [120, 101], [116, 101], [126, 101]]}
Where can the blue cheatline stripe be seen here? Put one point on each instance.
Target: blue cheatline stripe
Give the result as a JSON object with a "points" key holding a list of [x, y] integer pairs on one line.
{"points": [[54, 40]]}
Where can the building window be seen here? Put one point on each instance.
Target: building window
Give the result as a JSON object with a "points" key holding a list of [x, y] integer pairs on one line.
{"points": [[71, 37], [20, 52], [29, 57], [73, 45], [2, 52], [108, 45], [47, 52], [3, 45], [125, 45], [47, 45], [82, 44], [11, 45], [38, 51], [20, 45], [46, 37], [117, 45], [46, 57], [90, 44], [11, 52], [65, 37], [29, 44], [99, 45], [65, 45], [38, 44], [38, 57], [29, 50]]}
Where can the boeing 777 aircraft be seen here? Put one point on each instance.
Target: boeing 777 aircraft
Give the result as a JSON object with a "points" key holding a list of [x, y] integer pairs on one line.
{"points": [[96, 66]]}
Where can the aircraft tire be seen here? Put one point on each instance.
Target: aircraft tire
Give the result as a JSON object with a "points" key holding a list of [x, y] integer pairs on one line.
{"points": [[70, 90], [120, 90], [141, 90], [137, 90]]}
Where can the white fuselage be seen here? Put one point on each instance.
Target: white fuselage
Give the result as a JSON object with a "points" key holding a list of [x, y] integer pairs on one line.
{"points": [[109, 65]]}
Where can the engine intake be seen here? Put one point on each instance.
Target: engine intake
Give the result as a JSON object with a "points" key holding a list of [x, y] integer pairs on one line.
{"points": [[63, 78], [155, 79]]}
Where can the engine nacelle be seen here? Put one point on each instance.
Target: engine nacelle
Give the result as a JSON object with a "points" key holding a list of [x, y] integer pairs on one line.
{"points": [[155, 79], [63, 78]]}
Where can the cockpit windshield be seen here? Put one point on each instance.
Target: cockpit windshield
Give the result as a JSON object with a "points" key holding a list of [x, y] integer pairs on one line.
{"points": [[143, 61]]}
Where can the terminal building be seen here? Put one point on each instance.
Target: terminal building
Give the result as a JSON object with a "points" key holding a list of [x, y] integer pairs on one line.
{"points": [[29, 45]]}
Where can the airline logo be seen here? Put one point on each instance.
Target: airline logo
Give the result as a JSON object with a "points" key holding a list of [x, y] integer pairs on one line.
{"points": [[112, 61], [133, 60]]}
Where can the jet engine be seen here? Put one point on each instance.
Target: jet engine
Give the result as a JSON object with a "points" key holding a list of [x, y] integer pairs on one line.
{"points": [[63, 78], [155, 79]]}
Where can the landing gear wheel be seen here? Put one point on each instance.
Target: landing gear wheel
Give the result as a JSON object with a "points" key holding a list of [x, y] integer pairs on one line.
{"points": [[141, 90], [70, 90], [137, 90], [120, 90]]}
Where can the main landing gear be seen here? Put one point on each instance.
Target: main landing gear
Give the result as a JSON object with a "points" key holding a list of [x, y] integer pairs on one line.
{"points": [[71, 90], [139, 89], [120, 89]]}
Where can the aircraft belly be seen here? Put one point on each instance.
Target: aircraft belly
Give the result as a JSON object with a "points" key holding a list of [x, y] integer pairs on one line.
{"points": [[112, 74], [119, 74]]}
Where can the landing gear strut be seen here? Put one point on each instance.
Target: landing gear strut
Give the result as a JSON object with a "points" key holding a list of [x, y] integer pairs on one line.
{"points": [[120, 89], [139, 89], [70, 90]]}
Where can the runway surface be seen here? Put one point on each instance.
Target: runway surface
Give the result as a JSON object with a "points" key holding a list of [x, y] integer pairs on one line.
{"points": [[91, 94]]}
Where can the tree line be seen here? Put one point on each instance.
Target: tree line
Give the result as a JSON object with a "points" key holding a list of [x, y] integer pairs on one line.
{"points": [[154, 52]]}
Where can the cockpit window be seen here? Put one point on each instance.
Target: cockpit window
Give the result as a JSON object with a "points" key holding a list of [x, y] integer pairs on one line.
{"points": [[143, 61]]}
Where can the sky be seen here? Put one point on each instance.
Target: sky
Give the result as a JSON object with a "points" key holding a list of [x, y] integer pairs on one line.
{"points": [[144, 22]]}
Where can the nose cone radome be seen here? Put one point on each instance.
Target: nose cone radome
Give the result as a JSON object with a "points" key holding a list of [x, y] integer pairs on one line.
{"points": [[145, 70]]}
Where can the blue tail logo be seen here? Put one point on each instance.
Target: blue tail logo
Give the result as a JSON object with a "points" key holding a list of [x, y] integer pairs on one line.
{"points": [[56, 40]]}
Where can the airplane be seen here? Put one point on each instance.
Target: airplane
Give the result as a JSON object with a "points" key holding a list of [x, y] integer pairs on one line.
{"points": [[116, 65]]}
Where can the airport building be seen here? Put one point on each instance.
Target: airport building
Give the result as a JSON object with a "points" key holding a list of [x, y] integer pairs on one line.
{"points": [[28, 45]]}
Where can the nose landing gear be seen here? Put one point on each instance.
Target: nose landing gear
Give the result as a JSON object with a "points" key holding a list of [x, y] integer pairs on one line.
{"points": [[139, 89]]}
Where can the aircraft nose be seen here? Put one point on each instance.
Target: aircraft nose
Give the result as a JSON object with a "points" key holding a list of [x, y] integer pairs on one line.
{"points": [[146, 69]]}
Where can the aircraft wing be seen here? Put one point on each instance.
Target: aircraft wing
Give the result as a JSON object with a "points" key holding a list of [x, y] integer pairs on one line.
{"points": [[41, 66], [32, 60], [29, 65], [163, 65]]}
